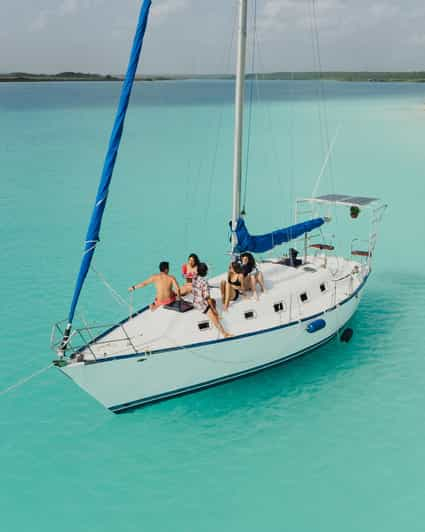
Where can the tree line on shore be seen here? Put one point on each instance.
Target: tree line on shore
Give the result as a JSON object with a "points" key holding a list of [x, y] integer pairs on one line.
{"points": [[413, 76]]}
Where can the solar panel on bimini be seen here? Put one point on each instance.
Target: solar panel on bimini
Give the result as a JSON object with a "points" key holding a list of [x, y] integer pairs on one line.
{"points": [[360, 200], [350, 200]]}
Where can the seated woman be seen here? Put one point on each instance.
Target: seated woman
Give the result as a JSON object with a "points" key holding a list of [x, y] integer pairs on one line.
{"points": [[232, 287], [251, 274], [189, 271]]}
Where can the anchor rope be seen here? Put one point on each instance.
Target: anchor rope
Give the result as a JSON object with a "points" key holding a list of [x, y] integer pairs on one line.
{"points": [[24, 380]]}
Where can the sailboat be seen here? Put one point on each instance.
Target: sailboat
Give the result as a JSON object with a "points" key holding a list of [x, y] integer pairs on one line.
{"points": [[308, 301]]}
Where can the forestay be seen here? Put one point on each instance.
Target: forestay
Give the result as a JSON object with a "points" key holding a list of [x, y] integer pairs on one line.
{"points": [[93, 231]]}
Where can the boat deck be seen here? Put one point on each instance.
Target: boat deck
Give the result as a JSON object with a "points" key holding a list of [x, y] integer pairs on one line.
{"points": [[292, 294]]}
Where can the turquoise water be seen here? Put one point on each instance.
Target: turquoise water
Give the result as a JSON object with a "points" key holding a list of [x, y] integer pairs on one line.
{"points": [[330, 442]]}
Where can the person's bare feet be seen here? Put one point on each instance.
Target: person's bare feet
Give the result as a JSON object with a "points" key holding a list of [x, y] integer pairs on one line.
{"points": [[227, 335]]}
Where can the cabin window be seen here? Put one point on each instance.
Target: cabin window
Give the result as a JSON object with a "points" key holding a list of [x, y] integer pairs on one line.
{"points": [[278, 307], [304, 297], [203, 325], [250, 314], [322, 287]]}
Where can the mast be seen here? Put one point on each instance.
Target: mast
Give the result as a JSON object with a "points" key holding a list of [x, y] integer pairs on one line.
{"points": [[239, 105]]}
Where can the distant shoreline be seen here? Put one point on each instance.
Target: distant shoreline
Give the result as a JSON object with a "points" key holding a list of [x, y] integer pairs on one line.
{"points": [[372, 77]]}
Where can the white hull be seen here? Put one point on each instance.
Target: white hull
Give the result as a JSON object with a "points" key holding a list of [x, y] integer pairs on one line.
{"points": [[132, 380], [157, 355]]}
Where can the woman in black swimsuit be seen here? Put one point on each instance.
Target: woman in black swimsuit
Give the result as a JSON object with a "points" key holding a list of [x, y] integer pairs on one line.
{"points": [[252, 275], [232, 287]]}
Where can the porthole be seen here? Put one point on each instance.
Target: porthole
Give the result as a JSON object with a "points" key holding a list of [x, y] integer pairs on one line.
{"points": [[203, 325], [304, 297], [278, 307], [250, 314], [322, 287]]}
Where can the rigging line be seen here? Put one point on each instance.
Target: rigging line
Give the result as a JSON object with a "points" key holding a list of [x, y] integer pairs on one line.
{"points": [[270, 123], [24, 380], [322, 91], [131, 304], [251, 96], [118, 298], [291, 149], [324, 104], [186, 202], [226, 62], [325, 162], [317, 64]]}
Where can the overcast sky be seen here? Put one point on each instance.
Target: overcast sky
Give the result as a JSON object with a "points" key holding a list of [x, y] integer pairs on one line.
{"points": [[194, 36]]}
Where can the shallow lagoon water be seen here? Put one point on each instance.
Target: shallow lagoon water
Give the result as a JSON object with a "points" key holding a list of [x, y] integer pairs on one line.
{"points": [[331, 441]]}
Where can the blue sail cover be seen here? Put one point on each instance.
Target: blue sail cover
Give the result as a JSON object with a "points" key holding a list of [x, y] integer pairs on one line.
{"points": [[92, 237], [263, 243]]}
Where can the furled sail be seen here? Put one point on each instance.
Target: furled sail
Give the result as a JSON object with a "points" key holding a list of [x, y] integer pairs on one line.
{"points": [[92, 237], [263, 243]]}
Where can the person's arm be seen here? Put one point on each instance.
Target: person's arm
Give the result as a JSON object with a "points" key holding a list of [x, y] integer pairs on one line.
{"points": [[142, 284], [176, 285]]}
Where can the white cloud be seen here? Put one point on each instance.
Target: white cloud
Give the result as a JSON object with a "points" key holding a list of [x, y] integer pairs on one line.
{"points": [[165, 8], [417, 39], [67, 7], [193, 35], [63, 9], [276, 15], [40, 21]]}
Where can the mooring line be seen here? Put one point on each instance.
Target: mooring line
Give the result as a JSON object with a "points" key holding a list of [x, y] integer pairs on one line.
{"points": [[23, 381]]}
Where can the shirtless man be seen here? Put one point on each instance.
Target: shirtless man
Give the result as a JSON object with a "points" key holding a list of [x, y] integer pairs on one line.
{"points": [[164, 284]]}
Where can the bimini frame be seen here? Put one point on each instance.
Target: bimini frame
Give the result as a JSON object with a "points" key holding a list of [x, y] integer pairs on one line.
{"points": [[374, 206]]}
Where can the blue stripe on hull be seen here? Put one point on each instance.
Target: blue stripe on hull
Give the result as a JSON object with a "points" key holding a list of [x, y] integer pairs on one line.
{"points": [[208, 384], [220, 340]]}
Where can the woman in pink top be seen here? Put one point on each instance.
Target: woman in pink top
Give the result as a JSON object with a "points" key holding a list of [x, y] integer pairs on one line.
{"points": [[189, 271]]}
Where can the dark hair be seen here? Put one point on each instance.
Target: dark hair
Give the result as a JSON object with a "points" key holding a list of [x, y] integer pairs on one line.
{"points": [[237, 268], [164, 266], [195, 257], [251, 260], [202, 269]]}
